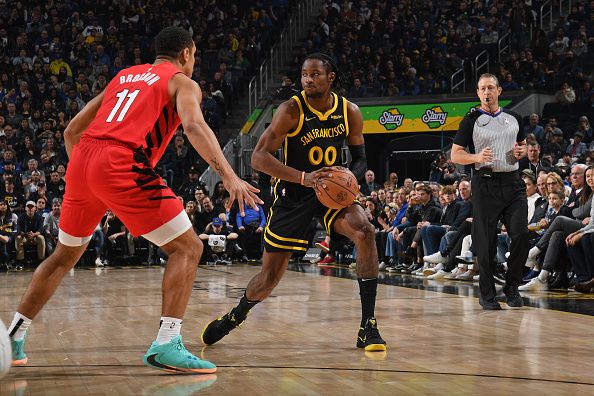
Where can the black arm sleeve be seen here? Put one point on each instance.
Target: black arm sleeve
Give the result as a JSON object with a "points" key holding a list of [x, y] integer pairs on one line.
{"points": [[521, 132], [464, 135], [359, 163]]}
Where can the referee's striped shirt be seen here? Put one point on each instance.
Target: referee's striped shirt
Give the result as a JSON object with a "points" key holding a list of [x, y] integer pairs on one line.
{"points": [[500, 131]]}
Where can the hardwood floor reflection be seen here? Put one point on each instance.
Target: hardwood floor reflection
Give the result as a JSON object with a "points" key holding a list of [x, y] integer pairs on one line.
{"points": [[90, 339]]}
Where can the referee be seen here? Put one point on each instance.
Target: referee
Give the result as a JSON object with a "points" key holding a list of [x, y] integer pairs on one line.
{"points": [[495, 140]]}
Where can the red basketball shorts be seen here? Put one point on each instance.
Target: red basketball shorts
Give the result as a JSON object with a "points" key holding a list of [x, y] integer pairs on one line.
{"points": [[105, 174]]}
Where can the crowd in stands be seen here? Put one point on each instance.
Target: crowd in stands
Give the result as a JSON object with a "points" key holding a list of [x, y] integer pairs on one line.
{"points": [[408, 48], [55, 56], [422, 228], [227, 235]]}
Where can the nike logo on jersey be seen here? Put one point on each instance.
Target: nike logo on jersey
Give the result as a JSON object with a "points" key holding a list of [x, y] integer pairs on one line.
{"points": [[309, 118]]}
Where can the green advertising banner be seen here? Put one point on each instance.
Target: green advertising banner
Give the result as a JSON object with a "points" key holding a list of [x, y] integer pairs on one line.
{"points": [[430, 117], [247, 127], [424, 117]]}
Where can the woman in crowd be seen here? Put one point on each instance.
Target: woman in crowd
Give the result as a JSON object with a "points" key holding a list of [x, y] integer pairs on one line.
{"points": [[384, 219], [191, 210], [219, 195], [580, 245], [552, 243]]}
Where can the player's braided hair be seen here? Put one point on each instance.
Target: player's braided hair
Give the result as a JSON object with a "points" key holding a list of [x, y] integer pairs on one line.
{"points": [[172, 40], [330, 64]]}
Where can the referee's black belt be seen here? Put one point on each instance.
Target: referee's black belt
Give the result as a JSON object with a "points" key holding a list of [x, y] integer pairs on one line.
{"points": [[491, 174]]}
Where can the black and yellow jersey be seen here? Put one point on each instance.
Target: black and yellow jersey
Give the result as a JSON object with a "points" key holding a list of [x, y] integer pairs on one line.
{"points": [[318, 139], [316, 142]]}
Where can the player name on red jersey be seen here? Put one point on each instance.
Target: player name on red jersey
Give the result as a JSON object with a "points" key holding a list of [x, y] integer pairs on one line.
{"points": [[149, 78]]}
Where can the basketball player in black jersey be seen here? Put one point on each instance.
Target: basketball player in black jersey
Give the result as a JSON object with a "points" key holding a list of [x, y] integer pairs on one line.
{"points": [[311, 128]]}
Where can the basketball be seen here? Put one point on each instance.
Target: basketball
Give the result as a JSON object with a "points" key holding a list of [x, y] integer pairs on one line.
{"points": [[5, 351], [341, 189]]}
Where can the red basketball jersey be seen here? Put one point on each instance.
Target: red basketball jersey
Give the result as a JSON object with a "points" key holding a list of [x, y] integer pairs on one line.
{"points": [[137, 110]]}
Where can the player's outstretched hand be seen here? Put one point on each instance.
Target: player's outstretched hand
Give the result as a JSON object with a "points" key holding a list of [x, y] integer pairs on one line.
{"points": [[311, 179], [243, 192]]}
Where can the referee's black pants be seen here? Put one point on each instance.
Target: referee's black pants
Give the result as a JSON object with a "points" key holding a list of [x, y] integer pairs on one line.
{"points": [[500, 197]]}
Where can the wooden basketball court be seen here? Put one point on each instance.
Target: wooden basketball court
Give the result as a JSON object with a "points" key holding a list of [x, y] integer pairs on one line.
{"points": [[91, 337]]}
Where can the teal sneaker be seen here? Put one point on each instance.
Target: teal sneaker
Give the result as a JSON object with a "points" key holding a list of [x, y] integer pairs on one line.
{"points": [[175, 358], [19, 357]]}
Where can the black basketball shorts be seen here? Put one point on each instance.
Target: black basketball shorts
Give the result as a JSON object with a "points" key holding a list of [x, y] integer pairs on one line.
{"points": [[290, 217]]}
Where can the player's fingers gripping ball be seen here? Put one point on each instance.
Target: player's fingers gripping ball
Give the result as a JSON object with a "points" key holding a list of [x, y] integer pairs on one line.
{"points": [[339, 190]]}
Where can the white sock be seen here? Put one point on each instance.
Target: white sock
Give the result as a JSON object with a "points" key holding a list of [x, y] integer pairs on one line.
{"points": [[534, 252], [19, 326], [544, 276], [170, 327]]}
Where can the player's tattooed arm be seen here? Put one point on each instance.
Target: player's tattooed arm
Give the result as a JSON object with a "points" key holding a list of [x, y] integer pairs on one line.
{"points": [[217, 167], [187, 96]]}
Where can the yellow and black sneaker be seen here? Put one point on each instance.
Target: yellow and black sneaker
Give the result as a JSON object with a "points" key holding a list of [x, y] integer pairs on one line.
{"points": [[369, 337], [219, 328]]}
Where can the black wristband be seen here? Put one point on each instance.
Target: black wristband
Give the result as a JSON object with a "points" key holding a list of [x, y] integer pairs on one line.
{"points": [[359, 161]]}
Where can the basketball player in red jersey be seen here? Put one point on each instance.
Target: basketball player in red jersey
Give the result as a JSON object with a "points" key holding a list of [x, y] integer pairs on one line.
{"points": [[113, 145], [311, 127]]}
